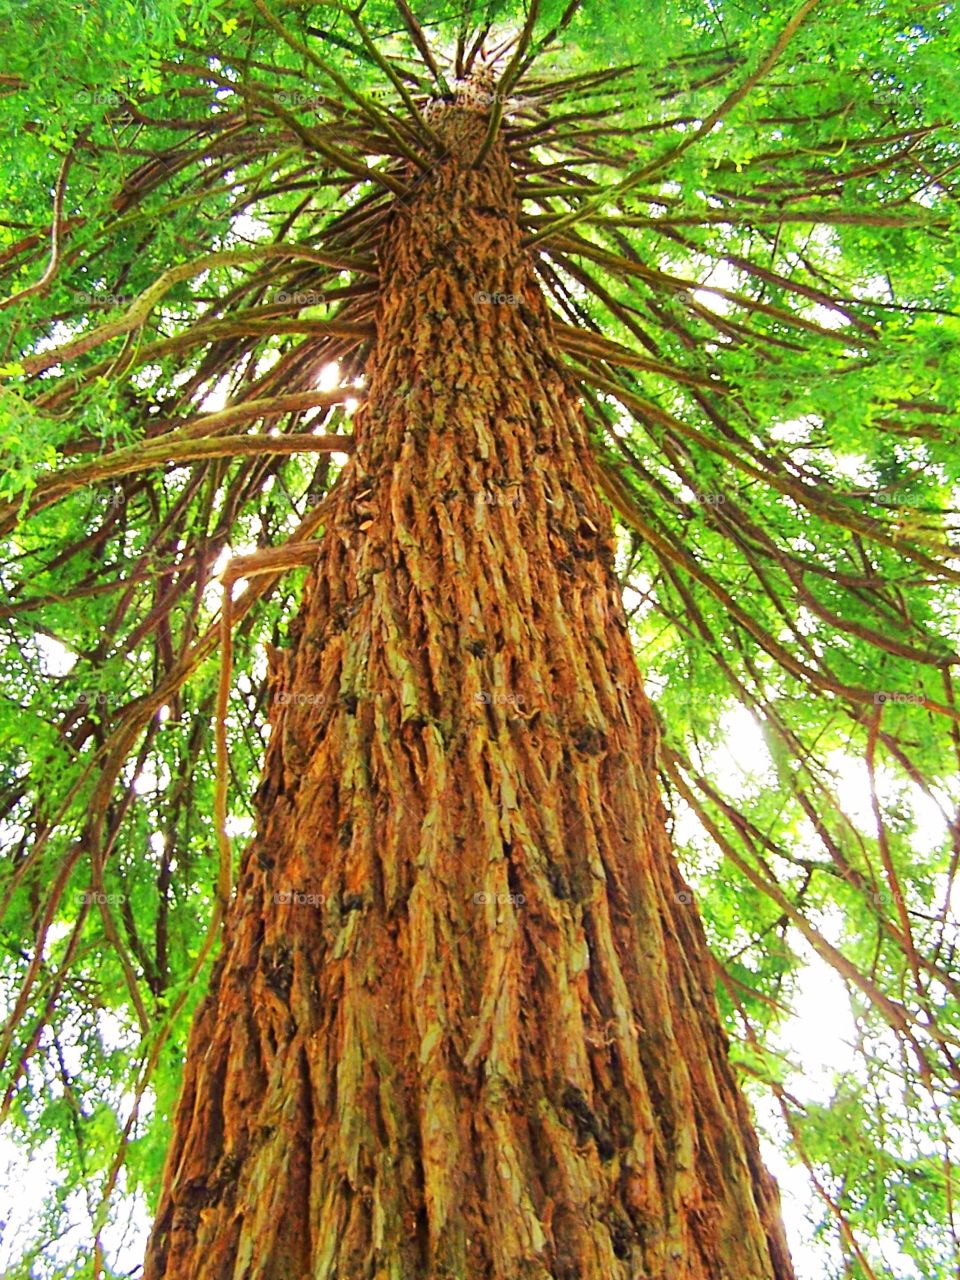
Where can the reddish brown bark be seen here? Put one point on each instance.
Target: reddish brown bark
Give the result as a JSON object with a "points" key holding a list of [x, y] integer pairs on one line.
{"points": [[481, 1041]]}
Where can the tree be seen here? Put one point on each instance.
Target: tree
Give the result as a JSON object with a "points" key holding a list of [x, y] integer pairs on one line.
{"points": [[482, 315]]}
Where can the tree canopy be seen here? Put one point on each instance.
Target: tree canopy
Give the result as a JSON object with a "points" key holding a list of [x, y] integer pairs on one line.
{"points": [[745, 221]]}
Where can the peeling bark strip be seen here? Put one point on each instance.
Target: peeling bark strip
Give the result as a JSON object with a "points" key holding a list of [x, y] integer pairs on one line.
{"points": [[463, 1027]]}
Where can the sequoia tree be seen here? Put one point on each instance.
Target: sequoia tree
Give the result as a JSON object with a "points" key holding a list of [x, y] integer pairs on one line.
{"points": [[626, 355]]}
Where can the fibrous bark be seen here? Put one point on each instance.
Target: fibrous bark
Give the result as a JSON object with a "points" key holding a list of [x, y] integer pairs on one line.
{"points": [[463, 1027]]}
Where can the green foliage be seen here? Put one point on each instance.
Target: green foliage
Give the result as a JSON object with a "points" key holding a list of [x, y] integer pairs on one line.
{"points": [[774, 251]]}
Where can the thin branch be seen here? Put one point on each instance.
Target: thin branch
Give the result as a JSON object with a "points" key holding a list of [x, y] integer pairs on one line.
{"points": [[56, 237], [659, 162], [506, 83]]}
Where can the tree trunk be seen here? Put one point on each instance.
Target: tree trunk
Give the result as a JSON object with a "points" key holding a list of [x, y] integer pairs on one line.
{"points": [[463, 1027]]}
